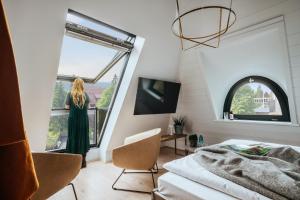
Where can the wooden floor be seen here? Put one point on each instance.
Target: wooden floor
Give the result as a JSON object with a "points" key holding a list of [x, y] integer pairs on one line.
{"points": [[94, 182]]}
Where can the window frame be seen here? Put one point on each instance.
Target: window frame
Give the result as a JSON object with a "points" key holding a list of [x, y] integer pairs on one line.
{"points": [[274, 87], [123, 46], [113, 99], [99, 132], [81, 32]]}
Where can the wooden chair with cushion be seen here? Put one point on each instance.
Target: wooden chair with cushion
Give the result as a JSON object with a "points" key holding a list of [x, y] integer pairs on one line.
{"points": [[54, 172], [139, 152]]}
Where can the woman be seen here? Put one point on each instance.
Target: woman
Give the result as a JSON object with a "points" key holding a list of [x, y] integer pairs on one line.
{"points": [[78, 124]]}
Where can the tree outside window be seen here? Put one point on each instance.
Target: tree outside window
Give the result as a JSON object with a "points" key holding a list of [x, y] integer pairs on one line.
{"points": [[255, 99], [104, 101]]}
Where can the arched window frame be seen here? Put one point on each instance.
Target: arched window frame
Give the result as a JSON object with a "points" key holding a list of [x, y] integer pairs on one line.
{"points": [[277, 90]]}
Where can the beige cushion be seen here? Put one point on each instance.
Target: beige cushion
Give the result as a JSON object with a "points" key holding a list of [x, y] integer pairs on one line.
{"points": [[141, 136], [140, 152]]}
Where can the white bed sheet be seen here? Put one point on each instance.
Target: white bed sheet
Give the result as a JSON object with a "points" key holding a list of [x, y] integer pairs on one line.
{"points": [[174, 187], [188, 168]]}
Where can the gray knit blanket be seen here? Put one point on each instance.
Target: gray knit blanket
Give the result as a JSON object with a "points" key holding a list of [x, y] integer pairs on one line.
{"points": [[275, 175]]}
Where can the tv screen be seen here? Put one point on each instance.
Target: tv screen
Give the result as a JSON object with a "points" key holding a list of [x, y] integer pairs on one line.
{"points": [[156, 97]]}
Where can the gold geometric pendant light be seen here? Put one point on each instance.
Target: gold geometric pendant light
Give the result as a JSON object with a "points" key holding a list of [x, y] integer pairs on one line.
{"points": [[225, 16]]}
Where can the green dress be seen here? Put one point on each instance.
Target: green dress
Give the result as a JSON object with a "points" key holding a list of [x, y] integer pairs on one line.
{"points": [[78, 127]]}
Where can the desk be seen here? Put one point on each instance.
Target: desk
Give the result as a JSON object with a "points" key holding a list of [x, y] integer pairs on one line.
{"points": [[174, 137]]}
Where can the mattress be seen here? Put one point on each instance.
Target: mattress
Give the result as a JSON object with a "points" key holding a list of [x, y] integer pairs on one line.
{"points": [[174, 187], [186, 167]]}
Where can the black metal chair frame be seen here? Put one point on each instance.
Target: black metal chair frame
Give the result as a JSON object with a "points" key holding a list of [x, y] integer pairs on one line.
{"points": [[152, 171], [73, 187]]}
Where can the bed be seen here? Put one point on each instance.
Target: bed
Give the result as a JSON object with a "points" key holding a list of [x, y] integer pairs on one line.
{"points": [[186, 180]]}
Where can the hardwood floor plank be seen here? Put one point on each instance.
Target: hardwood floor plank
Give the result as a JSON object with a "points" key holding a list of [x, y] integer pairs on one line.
{"points": [[94, 182]]}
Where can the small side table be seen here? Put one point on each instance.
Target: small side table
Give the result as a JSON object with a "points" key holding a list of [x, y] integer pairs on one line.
{"points": [[174, 137]]}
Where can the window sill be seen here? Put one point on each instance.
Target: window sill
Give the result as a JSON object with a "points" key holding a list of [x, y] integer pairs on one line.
{"points": [[257, 122]]}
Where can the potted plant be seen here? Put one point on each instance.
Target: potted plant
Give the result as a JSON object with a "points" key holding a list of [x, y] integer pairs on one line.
{"points": [[193, 140], [179, 124]]}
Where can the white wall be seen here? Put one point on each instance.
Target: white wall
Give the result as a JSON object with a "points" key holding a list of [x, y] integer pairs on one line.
{"points": [[195, 99], [37, 28], [258, 50], [37, 31]]}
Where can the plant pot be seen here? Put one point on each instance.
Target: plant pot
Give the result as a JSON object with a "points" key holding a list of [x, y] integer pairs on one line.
{"points": [[193, 143], [178, 129]]}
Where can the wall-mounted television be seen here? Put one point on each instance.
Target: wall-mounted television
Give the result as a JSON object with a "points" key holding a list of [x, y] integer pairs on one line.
{"points": [[156, 96]]}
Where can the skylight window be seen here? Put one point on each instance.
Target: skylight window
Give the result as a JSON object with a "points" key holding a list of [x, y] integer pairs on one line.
{"points": [[83, 59], [90, 48], [88, 22]]}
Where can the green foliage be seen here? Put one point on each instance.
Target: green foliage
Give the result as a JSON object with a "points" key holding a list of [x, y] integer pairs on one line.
{"points": [[243, 101], [91, 133], [59, 96], [58, 125], [107, 95], [179, 121], [52, 139]]}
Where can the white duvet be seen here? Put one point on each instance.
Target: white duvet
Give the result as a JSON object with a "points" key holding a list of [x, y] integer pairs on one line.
{"points": [[190, 169]]}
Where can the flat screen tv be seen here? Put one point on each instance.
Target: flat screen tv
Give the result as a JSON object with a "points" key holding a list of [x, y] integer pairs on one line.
{"points": [[156, 96]]}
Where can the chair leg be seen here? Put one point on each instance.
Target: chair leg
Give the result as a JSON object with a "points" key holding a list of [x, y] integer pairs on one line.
{"points": [[74, 190], [113, 185], [128, 190], [152, 173], [155, 168]]}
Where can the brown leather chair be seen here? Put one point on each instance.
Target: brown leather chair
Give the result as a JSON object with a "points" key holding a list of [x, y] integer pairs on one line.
{"points": [[54, 172], [139, 152]]}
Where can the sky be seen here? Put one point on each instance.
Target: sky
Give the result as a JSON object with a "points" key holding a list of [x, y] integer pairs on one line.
{"points": [[263, 87], [85, 59]]}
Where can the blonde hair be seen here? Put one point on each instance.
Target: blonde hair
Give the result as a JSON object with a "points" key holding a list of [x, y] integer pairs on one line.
{"points": [[77, 93]]}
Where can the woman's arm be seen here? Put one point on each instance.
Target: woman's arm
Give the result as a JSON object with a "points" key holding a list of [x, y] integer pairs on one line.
{"points": [[87, 100], [67, 103]]}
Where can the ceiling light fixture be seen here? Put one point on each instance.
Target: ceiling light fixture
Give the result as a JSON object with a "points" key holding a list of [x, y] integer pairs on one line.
{"points": [[211, 39]]}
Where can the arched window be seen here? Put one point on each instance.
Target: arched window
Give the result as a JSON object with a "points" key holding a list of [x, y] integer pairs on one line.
{"points": [[257, 98]]}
